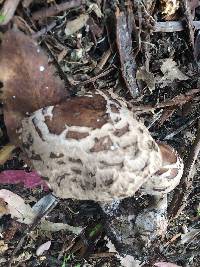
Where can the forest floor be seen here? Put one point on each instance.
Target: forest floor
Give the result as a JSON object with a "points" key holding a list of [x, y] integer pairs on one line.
{"points": [[148, 52]]}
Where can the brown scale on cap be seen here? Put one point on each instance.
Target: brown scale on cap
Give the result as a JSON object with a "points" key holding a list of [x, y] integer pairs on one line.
{"points": [[78, 111]]}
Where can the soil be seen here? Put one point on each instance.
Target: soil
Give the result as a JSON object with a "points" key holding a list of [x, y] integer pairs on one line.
{"points": [[78, 59]]}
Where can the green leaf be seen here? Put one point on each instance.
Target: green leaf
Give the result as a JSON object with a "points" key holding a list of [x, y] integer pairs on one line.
{"points": [[2, 18], [66, 260], [95, 230], [198, 212]]}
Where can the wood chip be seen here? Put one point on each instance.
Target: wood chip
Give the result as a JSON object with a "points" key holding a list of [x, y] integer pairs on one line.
{"points": [[6, 152]]}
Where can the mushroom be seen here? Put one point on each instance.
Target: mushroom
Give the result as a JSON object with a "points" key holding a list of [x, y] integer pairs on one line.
{"points": [[87, 147], [90, 147], [152, 222]]}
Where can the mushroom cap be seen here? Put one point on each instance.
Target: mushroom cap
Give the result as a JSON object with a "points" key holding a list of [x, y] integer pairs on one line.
{"points": [[90, 148], [168, 177]]}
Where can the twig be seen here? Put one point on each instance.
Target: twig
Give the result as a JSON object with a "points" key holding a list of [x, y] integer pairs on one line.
{"points": [[93, 79], [180, 129], [179, 100], [60, 71], [44, 30], [155, 118], [183, 190], [43, 212], [103, 255], [56, 9], [173, 26], [8, 11], [188, 16], [102, 62]]}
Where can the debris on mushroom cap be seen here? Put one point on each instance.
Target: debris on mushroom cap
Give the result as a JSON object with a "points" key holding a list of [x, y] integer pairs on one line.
{"points": [[90, 147], [168, 177]]}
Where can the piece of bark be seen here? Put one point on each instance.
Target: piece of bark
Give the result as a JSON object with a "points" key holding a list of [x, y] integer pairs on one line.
{"points": [[189, 20], [29, 81], [124, 29]]}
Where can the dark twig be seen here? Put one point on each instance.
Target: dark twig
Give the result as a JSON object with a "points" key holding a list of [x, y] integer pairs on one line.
{"points": [[102, 61], [56, 9], [44, 30], [183, 190], [93, 79]]}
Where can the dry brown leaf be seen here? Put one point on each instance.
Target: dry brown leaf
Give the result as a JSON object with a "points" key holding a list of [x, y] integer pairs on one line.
{"points": [[3, 247], [29, 81], [169, 8], [3, 207], [75, 25]]}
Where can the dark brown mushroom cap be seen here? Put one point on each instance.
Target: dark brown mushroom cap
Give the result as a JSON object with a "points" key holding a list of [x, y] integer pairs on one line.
{"points": [[90, 147]]}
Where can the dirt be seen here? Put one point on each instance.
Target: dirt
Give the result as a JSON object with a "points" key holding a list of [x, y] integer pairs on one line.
{"points": [[78, 59]]}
